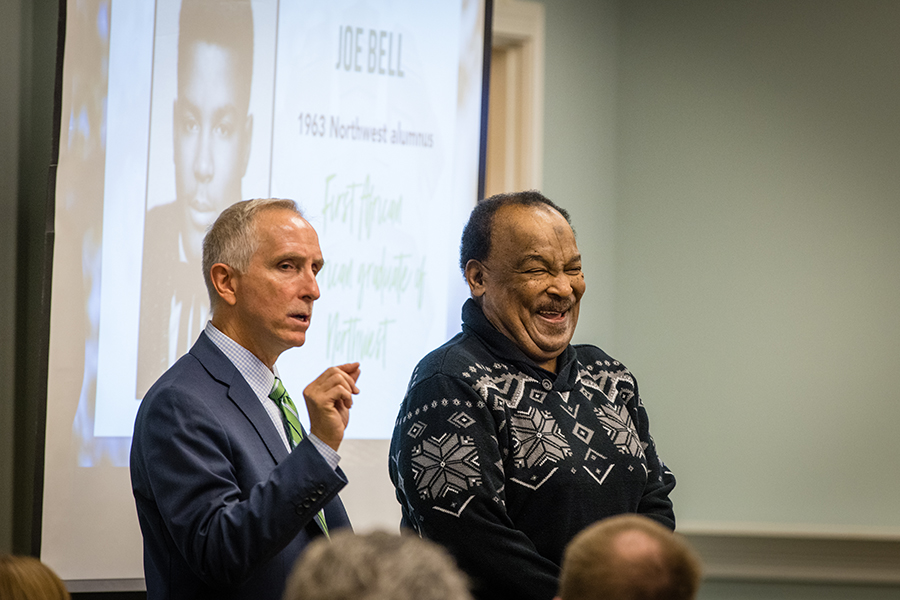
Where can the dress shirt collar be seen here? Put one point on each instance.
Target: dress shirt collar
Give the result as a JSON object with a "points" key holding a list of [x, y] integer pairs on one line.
{"points": [[257, 374]]}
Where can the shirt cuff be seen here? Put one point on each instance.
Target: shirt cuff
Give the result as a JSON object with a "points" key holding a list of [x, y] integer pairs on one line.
{"points": [[327, 452]]}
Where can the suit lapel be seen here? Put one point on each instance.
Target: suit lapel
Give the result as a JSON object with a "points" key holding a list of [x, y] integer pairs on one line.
{"points": [[223, 370]]}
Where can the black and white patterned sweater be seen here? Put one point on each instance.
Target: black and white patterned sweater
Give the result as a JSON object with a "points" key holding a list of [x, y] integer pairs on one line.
{"points": [[503, 462]]}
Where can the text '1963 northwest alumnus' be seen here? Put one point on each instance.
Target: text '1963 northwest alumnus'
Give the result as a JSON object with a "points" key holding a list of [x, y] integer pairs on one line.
{"points": [[229, 487], [510, 440]]}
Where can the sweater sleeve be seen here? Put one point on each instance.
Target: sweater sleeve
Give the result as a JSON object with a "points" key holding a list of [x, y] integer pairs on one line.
{"points": [[447, 465], [655, 502]]}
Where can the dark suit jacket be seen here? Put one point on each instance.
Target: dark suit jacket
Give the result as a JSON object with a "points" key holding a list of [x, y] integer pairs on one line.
{"points": [[224, 508]]}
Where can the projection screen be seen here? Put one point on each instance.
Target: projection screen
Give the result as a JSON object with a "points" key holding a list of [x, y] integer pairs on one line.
{"points": [[370, 114]]}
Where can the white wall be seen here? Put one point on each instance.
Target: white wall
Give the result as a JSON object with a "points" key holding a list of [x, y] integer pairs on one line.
{"points": [[758, 254], [733, 172], [580, 145]]}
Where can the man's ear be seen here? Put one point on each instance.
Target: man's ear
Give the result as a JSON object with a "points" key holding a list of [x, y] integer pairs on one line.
{"points": [[248, 137], [475, 278], [224, 280]]}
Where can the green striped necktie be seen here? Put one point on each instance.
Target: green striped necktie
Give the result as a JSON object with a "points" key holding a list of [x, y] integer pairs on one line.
{"points": [[294, 431]]}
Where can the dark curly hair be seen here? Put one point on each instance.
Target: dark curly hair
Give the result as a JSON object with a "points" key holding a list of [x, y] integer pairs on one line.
{"points": [[476, 236], [227, 24]]}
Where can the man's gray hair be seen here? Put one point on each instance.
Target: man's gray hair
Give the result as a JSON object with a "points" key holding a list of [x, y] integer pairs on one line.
{"points": [[232, 239], [376, 566]]}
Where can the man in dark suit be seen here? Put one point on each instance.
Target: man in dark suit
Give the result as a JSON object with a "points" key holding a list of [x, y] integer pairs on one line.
{"points": [[229, 489]]}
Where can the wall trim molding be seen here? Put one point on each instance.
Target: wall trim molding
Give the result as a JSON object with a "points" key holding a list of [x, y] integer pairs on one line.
{"points": [[796, 553]]}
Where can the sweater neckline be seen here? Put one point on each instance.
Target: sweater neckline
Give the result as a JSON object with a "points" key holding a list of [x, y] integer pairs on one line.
{"points": [[476, 323]]}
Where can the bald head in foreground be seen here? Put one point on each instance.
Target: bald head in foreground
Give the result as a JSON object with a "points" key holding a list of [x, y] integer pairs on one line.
{"points": [[629, 557]]}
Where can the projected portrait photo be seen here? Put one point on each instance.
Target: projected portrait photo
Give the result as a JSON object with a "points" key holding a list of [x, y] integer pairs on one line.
{"points": [[173, 110], [211, 124]]}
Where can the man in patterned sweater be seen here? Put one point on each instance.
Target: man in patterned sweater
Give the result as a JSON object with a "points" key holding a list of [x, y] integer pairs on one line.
{"points": [[510, 440]]}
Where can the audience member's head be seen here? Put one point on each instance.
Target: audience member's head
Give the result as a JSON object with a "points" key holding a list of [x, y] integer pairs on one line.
{"points": [[376, 566], [27, 578], [629, 557]]}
